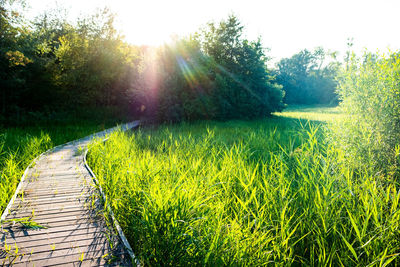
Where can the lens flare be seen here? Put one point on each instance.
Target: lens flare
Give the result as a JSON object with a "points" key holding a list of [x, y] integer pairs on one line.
{"points": [[188, 73]]}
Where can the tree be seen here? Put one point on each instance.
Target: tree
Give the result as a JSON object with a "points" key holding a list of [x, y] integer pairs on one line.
{"points": [[50, 65], [57, 66], [91, 61], [213, 74], [244, 87], [308, 78], [12, 59]]}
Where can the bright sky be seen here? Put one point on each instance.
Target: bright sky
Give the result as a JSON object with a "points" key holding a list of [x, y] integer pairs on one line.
{"points": [[286, 26]]}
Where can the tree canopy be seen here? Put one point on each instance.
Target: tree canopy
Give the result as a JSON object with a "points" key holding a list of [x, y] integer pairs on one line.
{"points": [[213, 74], [308, 77], [51, 64]]}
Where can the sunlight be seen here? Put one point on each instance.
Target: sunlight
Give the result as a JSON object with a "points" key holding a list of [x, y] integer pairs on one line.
{"points": [[306, 24], [153, 22], [187, 72]]}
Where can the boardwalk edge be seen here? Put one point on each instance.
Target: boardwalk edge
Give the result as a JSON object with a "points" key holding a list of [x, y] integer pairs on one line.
{"points": [[121, 234]]}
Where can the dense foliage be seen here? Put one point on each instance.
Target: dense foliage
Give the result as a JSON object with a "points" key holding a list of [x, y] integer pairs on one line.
{"points": [[51, 65], [214, 74], [308, 77], [369, 89], [247, 194]]}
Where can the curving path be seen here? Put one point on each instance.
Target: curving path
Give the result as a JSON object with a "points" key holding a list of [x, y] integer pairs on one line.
{"points": [[55, 217]]}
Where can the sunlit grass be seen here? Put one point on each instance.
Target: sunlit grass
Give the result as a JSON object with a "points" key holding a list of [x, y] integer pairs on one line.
{"points": [[253, 193], [314, 113]]}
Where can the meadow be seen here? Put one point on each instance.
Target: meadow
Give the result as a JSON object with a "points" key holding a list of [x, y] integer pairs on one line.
{"points": [[20, 145], [273, 191]]}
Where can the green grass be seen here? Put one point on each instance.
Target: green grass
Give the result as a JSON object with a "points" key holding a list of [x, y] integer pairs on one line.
{"points": [[20, 145], [314, 113], [265, 192]]}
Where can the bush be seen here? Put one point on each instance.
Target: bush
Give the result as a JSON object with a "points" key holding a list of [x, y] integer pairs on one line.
{"points": [[369, 88]]}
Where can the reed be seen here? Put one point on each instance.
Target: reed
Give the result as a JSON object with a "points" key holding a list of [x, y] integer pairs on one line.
{"points": [[266, 192]]}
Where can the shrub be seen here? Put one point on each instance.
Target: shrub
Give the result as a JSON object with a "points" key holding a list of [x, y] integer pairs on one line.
{"points": [[369, 88]]}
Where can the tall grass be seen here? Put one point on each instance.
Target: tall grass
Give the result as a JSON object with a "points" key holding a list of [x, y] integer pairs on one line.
{"points": [[20, 145], [246, 193]]}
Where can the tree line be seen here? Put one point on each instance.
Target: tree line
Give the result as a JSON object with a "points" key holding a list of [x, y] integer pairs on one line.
{"points": [[309, 77], [51, 66]]}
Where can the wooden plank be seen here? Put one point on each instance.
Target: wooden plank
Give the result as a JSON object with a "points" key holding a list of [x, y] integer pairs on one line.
{"points": [[63, 230], [70, 260], [77, 212], [75, 253], [49, 208], [55, 221], [33, 204], [60, 165], [32, 190], [60, 185], [61, 192], [96, 236], [51, 173], [56, 178], [49, 212], [80, 233], [51, 246], [54, 197], [58, 175], [57, 196], [55, 224], [56, 166]]}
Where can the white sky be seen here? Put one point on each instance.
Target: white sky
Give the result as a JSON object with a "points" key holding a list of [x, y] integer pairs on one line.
{"points": [[286, 26]]}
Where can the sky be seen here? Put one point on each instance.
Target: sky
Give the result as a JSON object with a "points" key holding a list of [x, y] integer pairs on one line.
{"points": [[285, 26]]}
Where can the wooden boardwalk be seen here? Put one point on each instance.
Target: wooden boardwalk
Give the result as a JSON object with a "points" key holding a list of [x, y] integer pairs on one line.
{"points": [[56, 217]]}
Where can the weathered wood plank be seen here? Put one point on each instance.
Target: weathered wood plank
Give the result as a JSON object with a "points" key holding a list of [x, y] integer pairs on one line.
{"points": [[51, 246], [38, 204], [54, 221], [55, 240], [74, 253], [47, 198], [52, 207], [61, 227], [33, 190], [83, 233], [70, 260], [64, 192]]}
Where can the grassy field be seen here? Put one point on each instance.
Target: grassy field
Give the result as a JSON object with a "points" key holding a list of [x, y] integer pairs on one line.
{"points": [[263, 192], [20, 145], [316, 113]]}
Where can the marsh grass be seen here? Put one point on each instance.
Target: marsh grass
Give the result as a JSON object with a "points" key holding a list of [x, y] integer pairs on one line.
{"points": [[20, 145], [266, 192]]}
